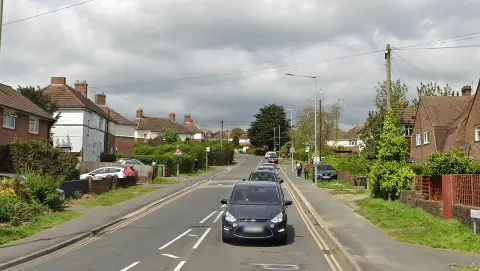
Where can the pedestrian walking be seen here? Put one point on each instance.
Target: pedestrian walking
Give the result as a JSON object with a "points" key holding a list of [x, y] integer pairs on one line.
{"points": [[299, 169], [195, 165], [306, 170]]}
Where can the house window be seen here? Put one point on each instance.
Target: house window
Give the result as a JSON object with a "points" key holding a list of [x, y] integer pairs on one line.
{"points": [[33, 125], [425, 138], [477, 133], [407, 130], [9, 119], [418, 139], [100, 124], [352, 143]]}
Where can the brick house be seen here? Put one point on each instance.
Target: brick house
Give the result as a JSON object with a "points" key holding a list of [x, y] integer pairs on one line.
{"points": [[22, 118], [83, 126], [406, 121], [121, 131], [348, 140], [444, 123], [151, 127], [198, 134]]}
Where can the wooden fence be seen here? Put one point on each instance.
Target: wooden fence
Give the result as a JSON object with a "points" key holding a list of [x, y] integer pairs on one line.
{"points": [[144, 172]]}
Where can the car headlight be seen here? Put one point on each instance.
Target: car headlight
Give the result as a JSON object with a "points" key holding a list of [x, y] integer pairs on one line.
{"points": [[278, 218], [229, 217]]}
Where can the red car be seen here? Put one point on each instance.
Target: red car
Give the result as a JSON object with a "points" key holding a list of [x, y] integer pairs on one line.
{"points": [[272, 158], [128, 170]]}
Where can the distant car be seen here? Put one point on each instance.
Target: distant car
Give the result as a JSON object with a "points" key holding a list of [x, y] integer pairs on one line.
{"points": [[273, 165], [272, 158], [59, 191], [255, 210], [264, 176], [326, 172], [103, 172], [266, 168], [130, 170], [129, 161], [267, 154]]}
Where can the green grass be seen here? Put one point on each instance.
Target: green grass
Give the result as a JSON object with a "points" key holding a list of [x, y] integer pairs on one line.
{"points": [[200, 171], [164, 181], [415, 226], [113, 197], [464, 268], [9, 233], [337, 184]]}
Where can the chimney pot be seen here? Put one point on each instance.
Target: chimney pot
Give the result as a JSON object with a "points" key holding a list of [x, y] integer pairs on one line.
{"points": [[81, 87], [100, 99], [188, 118], [171, 116], [467, 91], [58, 80], [140, 113]]}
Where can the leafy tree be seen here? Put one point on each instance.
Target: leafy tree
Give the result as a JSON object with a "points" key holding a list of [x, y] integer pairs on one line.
{"points": [[268, 118], [453, 162], [237, 131], [235, 141], [390, 174], [398, 97], [39, 97], [370, 134], [170, 136], [432, 89]]}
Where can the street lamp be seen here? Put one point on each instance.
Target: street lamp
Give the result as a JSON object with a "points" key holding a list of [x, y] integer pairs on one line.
{"points": [[315, 121], [291, 128]]}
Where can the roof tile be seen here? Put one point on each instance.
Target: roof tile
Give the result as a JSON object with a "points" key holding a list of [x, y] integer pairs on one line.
{"points": [[13, 99]]}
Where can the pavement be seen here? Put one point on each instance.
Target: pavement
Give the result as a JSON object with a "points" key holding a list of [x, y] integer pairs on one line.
{"points": [[184, 234], [92, 217], [369, 246]]}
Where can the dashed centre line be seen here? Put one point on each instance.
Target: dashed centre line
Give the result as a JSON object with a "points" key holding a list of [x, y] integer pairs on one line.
{"points": [[208, 216], [175, 239], [218, 217], [170, 256], [130, 266], [179, 266], [201, 238]]}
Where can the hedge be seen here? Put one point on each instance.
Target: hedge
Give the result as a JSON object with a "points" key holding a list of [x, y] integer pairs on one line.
{"points": [[165, 154], [354, 164]]}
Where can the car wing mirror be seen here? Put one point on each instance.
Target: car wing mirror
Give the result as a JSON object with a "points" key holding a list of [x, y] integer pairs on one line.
{"points": [[281, 181], [92, 174], [223, 201], [288, 202], [244, 180]]}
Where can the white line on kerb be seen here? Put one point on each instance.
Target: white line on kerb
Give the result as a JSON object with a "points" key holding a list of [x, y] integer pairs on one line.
{"points": [[176, 238], [218, 217], [201, 238], [208, 216], [170, 255], [130, 266], [179, 266]]}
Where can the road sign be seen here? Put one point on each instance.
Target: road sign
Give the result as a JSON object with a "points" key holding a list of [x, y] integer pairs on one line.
{"points": [[307, 149], [178, 152], [292, 149], [474, 213], [208, 149]]}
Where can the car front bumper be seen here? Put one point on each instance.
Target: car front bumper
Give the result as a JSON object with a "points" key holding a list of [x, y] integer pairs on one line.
{"points": [[326, 177], [254, 230]]}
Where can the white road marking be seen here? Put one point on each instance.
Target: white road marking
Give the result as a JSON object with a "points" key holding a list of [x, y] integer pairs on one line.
{"points": [[179, 266], [130, 266], [218, 217], [176, 238], [201, 238], [277, 266], [220, 184], [223, 206], [171, 256], [208, 216], [192, 235]]}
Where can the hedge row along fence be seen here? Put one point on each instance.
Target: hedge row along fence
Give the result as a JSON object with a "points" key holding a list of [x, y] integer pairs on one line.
{"points": [[165, 154]]}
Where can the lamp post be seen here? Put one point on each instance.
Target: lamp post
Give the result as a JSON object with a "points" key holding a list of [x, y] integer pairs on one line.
{"points": [[291, 128], [315, 121]]}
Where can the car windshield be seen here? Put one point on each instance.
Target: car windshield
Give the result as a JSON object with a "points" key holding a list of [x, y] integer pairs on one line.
{"points": [[262, 176], [255, 195], [324, 167], [266, 168], [272, 155]]}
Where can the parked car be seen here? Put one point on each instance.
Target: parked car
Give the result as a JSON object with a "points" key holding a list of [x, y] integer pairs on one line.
{"points": [[273, 165], [129, 161], [272, 158], [130, 170], [326, 172], [103, 172], [267, 154], [255, 210], [263, 168], [59, 191], [265, 176]]}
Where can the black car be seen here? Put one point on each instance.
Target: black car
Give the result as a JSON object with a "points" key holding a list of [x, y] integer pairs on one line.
{"points": [[326, 172], [263, 175], [255, 210]]}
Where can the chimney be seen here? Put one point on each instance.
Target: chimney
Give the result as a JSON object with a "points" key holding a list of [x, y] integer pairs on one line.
{"points": [[58, 80], [100, 99], [188, 118], [467, 91], [81, 87], [140, 113], [171, 116]]}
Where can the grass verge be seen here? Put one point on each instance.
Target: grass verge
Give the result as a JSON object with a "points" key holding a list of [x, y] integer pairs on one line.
{"points": [[415, 226], [341, 187], [464, 268], [10, 233], [113, 197], [164, 181], [200, 171]]}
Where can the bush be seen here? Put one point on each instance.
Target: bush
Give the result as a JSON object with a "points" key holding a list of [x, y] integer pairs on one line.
{"points": [[108, 157], [14, 187], [258, 151], [40, 156], [354, 164], [15, 211], [43, 189], [454, 162]]}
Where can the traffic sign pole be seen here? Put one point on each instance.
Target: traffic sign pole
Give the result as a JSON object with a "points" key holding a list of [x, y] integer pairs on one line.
{"points": [[292, 150], [178, 153]]}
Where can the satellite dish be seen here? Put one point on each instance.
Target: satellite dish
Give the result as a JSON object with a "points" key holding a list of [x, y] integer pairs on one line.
{"points": [[465, 145]]}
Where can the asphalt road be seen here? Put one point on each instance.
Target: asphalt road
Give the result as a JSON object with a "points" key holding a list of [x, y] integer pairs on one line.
{"points": [[185, 235]]}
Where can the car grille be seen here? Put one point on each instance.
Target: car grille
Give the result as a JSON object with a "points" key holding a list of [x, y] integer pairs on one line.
{"points": [[267, 232], [252, 220]]}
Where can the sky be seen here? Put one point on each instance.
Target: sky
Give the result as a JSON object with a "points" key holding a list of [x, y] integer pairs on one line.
{"points": [[224, 60]]}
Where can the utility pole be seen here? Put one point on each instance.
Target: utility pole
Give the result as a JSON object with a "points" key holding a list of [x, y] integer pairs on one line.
{"points": [[291, 129], [274, 149], [321, 118], [221, 137], [388, 52], [228, 131], [1, 23], [279, 144]]}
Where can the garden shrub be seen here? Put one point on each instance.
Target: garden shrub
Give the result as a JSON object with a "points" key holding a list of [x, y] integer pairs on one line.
{"points": [[14, 187], [40, 156], [454, 162], [43, 189], [354, 164], [258, 152], [108, 157], [15, 211]]}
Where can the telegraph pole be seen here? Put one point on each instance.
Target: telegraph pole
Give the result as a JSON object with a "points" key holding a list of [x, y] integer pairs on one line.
{"points": [[1, 22], [321, 118], [228, 131], [221, 137], [279, 144], [388, 52], [274, 139]]}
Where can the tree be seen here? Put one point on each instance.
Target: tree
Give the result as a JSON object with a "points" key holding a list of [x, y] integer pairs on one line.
{"points": [[39, 97], [170, 136], [390, 174], [432, 89], [398, 97], [237, 131], [235, 141], [370, 134], [268, 118]]}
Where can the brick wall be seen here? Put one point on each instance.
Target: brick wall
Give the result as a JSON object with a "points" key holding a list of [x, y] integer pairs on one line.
{"points": [[422, 124], [124, 144], [414, 199], [21, 129], [462, 213]]}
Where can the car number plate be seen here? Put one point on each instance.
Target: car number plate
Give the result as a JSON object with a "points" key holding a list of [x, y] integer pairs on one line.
{"points": [[253, 229]]}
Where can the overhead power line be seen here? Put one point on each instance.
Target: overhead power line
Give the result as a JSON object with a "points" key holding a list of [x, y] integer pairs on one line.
{"points": [[444, 40], [440, 48], [46, 13]]}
